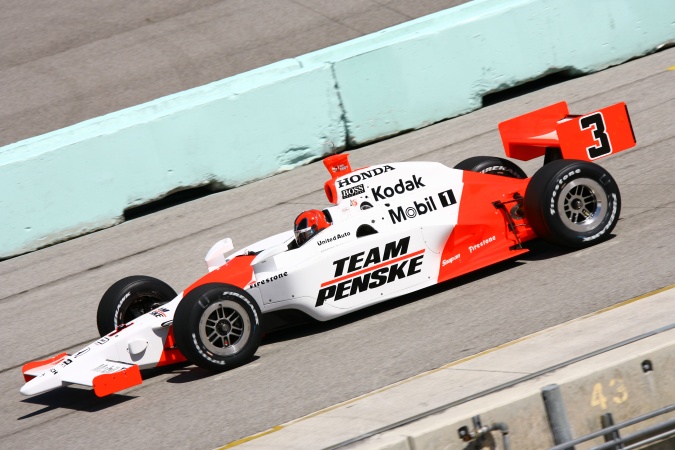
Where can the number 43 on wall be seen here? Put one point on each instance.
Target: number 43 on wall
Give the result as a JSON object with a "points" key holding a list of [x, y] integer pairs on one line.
{"points": [[615, 392]]}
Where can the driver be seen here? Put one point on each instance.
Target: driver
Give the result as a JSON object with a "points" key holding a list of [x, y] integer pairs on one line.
{"points": [[309, 223]]}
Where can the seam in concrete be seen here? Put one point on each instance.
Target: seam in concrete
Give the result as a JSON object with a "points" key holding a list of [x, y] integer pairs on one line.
{"points": [[343, 117]]}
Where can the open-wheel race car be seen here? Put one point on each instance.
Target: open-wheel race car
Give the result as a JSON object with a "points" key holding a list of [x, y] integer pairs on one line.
{"points": [[392, 229]]}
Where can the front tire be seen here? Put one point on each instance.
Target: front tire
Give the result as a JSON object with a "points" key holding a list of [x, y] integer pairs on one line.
{"points": [[572, 203], [129, 298], [217, 326], [492, 165]]}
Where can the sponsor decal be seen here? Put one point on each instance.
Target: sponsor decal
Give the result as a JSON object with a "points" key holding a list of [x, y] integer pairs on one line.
{"points": [[81, 352], [369, 270], [352, 191], [383, 193], [353, 203], [107, 368], [486, 241], [269, 280], [357, 177], [333, 238], [65, 362], [159, 312], [101, 341], [558, 186], [609, 223], [401, 213], [167, 323], [339, 168], [451, 260]]}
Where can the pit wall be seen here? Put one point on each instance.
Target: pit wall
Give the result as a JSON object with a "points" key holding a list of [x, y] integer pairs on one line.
{"points": [[615, 383], [81, 178]]}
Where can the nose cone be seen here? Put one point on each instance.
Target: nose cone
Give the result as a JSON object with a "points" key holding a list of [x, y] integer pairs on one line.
{"points": [[44, 382]]}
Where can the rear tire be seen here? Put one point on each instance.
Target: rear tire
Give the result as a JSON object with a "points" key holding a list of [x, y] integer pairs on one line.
{"points": [[492, 165], [129, 298], [217, 326], [572, 203]]}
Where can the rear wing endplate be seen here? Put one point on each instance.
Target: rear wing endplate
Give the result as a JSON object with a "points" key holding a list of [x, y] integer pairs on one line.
{"points": [[587, 137]]}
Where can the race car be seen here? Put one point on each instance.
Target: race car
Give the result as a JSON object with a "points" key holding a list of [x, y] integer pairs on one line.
{"points": [[391, 229]]}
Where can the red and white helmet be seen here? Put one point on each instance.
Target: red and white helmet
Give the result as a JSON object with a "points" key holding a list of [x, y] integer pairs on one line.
{"points": [[309, 223]]}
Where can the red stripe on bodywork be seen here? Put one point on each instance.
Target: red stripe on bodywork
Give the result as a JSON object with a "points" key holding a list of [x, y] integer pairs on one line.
{"points": [[370, 269], [45, 362], [237, 272], [109, 383], [170, 354], [478, 220]]}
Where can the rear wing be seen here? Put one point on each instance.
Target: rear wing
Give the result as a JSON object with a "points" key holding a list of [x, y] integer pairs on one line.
{"points": [[552, 131]]}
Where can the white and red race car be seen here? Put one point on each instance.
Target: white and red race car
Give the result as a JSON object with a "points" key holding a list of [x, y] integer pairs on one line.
{"points": [[394, 228]]}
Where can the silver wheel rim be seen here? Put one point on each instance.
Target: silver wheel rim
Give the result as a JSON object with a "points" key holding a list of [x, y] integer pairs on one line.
{"points": [[582, 204], [224, 327]]}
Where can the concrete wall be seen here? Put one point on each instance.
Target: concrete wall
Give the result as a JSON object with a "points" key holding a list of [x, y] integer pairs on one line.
{"points": [[614, 382], [253, 125]]}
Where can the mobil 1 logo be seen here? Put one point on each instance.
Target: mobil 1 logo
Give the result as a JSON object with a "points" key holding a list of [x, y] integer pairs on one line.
{"points": [[428, 205]]}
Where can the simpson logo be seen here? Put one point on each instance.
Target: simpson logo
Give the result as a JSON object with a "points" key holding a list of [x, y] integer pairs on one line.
{"points": [[355, 178], [473, 248], [447, 198], [380, 193], [352, 191], [369, 270], [451, 260], [269, 280], [333, 238]]}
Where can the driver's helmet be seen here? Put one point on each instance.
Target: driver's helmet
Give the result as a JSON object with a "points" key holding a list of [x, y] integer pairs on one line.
{"points": [[309, 223]]}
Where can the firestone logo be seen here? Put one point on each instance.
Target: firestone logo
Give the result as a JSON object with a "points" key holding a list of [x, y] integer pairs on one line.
{"points": [[355, 178], [269, 280], [486, 241]]}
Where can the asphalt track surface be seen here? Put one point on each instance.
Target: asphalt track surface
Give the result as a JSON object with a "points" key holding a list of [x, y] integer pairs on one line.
{"points": [[68, 61], [48, 298]]}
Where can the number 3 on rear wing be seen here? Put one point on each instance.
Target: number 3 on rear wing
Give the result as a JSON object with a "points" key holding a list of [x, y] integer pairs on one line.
{"points": [[587, 137]]}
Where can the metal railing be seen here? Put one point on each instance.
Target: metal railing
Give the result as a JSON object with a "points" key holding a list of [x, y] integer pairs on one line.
{"points": [[648, 435]]}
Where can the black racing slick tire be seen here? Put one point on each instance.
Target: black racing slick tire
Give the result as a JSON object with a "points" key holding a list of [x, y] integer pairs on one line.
{"points": [[492, 165], [572, 203], [218, 326], [129, 298]]}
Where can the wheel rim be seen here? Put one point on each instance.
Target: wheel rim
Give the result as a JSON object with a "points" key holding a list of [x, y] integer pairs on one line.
{"points": [[582, 204], [142, 305], [224, 327]]}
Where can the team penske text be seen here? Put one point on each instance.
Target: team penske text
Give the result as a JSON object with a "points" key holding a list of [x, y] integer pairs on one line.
{"points": [[369, 270]]}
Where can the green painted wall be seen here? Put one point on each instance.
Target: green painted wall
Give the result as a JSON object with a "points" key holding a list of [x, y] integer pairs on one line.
{"points": [[81, 178]]}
